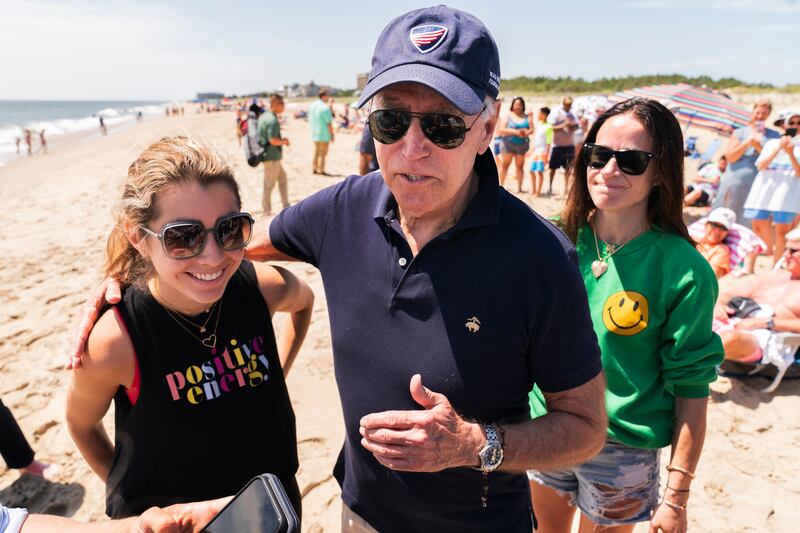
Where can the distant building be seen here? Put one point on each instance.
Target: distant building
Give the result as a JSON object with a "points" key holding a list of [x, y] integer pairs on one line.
{"points": [[210, 96], [361, 81], [295, 90]]}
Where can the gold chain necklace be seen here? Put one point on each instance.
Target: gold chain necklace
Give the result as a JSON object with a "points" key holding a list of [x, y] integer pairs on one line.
{"points": [[600, 266], [211, 340], [202, 328]]}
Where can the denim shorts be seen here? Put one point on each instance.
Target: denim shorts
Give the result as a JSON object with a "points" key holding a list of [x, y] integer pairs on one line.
{"points": [[778, 217], [617, 486]]}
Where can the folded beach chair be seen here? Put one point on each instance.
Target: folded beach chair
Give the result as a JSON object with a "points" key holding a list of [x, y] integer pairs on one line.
{"points": [[788, 340], [691, 147]]}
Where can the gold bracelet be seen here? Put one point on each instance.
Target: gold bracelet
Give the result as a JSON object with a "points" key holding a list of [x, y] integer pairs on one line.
{"points": [[674, 505], [672, 468]]}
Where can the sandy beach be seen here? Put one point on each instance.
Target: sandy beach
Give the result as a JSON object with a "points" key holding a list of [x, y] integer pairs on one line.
{"points": [[56, 214]]}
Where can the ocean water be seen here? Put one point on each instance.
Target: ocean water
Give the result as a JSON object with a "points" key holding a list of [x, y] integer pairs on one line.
{"points": [[62, 117]]}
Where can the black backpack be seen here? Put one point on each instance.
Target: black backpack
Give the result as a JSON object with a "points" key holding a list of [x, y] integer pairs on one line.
{"points": [[253, 150]]}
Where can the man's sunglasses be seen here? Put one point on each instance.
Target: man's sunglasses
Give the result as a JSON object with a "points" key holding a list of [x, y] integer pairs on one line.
{"points": [[446, 131], [631, 162], [791, 251], [184, 239]]}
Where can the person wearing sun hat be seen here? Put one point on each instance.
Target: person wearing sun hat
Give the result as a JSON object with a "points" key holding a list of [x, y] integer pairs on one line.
{"points": [[712, 245], [448, 299]]}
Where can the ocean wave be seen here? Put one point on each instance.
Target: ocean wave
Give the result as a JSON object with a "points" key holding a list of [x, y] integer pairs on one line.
{"points": [[52, 128]]}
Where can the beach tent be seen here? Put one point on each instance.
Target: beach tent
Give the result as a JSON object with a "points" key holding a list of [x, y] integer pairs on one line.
{"points": [[694, 106]]}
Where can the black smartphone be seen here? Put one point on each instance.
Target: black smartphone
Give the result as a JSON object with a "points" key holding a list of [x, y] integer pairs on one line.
{"points": [[791, 132], [262, 506]]}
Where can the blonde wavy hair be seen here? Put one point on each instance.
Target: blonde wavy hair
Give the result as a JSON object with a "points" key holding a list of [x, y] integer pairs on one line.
{"points": [[169, 161]]}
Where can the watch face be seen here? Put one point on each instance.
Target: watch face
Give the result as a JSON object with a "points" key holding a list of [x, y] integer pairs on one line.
{"points": [[492, 455]]}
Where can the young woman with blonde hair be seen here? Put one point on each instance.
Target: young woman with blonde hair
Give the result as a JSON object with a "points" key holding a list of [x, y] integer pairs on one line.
{"points": [[188, 356]]}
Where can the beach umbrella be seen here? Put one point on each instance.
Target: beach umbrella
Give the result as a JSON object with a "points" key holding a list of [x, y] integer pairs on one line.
{"points": [[694, 106]]}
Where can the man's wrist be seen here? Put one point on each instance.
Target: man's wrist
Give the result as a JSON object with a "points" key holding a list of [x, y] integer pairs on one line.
{"points": [[474, 443]]}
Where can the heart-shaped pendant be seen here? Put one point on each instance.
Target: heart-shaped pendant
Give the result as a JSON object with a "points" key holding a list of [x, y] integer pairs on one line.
{"points": [[210, 341], [599, 268]]}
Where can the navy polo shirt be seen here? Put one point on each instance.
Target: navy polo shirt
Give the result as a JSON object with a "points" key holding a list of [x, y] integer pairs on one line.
{"points": [[484, 311]]}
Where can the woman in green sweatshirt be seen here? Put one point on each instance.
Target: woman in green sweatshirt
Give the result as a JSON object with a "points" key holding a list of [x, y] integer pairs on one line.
{"points": [[651, 296]]}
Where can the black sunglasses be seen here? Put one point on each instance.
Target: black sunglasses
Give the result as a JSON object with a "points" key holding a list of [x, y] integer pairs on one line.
{"points": [[631, 162], [184, 239], [446, 131]]}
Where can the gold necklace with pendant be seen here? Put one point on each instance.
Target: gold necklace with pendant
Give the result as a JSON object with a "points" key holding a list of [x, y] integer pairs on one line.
{"points": [[600, 266]]}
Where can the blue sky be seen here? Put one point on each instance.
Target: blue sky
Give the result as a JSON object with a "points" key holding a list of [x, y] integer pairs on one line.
{"points": [[126, 49]]}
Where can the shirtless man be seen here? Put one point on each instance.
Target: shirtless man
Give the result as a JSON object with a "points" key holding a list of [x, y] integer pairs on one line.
{"points": [[778, 294]]}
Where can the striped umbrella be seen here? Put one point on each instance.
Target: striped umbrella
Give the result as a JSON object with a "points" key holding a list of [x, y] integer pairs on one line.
{"points": [[694, 106]]}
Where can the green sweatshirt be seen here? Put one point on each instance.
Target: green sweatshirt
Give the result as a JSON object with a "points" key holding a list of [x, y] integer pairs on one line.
{"points": [[652, 312]]}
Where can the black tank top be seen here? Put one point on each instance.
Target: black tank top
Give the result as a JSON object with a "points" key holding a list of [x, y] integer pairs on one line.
{"points": [[206, 420]]}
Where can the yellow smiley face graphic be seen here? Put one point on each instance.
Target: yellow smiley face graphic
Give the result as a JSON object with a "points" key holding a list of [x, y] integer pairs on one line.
{"points": [[625, 313]]}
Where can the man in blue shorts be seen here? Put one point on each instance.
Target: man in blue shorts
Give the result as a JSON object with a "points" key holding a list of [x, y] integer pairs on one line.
{"points": [[564, 124]]}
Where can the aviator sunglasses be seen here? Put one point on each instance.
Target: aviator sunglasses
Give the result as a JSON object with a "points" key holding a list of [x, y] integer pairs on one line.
{"points": [[631, 162], [446, 131], [184, 239]]}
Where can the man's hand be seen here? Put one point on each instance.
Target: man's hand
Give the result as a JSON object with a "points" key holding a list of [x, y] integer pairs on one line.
{"points": [[668, 520], [722, 312], [422, 441], [108, 291], [180, 518]]}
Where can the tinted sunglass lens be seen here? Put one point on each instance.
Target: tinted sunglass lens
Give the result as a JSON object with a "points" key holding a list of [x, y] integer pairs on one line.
{"points": [[185, 240], [388, 127], [597, 157], [445, 131], [633, 162], [234, 233]]}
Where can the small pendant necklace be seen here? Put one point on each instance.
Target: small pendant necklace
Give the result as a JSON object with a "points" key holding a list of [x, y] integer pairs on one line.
{"points": [[211, 340], [600, 266]]}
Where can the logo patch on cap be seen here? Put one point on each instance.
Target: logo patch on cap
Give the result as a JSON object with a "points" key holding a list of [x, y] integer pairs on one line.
{"points": [[426, 38]]}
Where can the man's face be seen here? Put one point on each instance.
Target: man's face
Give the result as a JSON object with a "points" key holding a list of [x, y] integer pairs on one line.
{"points": [[722, 165], [792, 256], [567, 105], [426, 180], [277, 106], [761, 113]]}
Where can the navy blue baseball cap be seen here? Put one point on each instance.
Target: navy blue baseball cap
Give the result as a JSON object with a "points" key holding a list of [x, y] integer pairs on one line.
{"points": [[448, 50]]}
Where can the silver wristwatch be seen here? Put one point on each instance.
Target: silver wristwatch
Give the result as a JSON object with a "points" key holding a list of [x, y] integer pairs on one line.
{"points": [[491, 455]]}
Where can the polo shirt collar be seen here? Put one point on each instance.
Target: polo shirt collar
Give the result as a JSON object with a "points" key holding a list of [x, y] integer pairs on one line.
{"points": [[482, 210]]}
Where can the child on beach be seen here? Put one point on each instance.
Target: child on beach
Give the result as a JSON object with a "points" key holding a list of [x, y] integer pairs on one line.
{"points": [[712, 246], [188, 356], [542, 141]]}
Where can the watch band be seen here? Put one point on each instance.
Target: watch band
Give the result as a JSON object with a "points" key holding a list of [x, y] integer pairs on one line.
{"points": [[771, 323], [491, 455]]}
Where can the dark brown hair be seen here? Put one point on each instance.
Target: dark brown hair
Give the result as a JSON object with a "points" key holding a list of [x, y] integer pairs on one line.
{"points": [[665, 205]]}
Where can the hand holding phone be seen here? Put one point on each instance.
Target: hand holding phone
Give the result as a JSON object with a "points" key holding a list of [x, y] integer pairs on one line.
{"points": [[262, 506]]}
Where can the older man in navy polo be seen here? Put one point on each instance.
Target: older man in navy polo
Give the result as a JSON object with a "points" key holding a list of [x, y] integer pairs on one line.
{"points": [[448, 299]]}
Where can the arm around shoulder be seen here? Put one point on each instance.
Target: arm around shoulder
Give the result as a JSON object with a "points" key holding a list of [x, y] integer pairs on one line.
{"points": [[109, 363]]}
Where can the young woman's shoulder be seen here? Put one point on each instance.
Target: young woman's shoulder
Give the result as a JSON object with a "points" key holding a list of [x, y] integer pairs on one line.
{"points": [[110, 353]]}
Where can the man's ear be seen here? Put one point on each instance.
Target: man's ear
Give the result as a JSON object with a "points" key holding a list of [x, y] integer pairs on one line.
{"points": [[489, 127], [137, 239]]}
